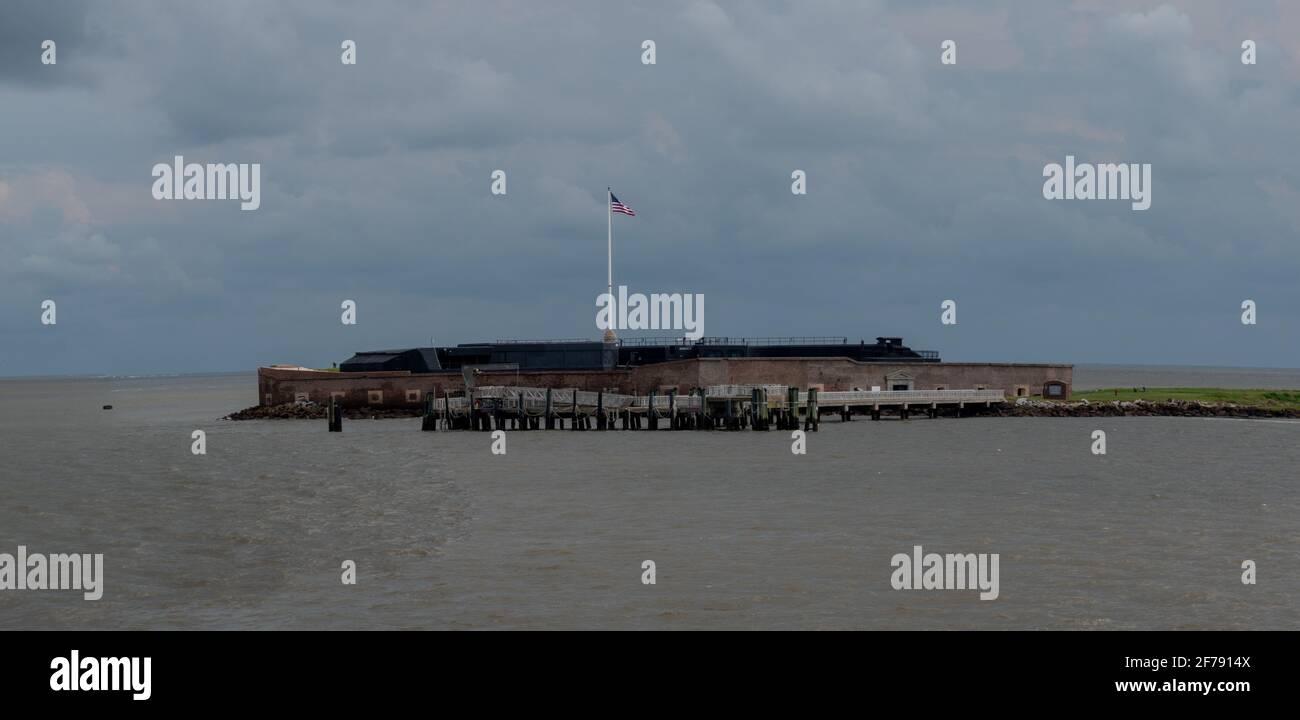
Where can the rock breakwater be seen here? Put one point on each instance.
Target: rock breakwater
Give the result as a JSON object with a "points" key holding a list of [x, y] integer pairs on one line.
{"points": [[1140, 408]]}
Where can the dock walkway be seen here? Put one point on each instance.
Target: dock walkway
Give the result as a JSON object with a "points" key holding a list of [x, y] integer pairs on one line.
{"points": [[730, 407]]}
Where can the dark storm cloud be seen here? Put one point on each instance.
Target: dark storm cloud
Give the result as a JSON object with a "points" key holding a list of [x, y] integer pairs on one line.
{"points": [[924, 181]]}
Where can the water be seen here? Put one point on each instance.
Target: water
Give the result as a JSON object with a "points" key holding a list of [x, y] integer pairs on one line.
{"points": [[553, 534]]}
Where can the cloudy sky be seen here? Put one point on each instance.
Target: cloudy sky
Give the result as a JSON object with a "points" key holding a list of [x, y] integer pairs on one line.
{"points": [[924, 180]]}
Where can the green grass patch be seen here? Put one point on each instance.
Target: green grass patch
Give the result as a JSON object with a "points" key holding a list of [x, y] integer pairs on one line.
{"points": [[1257, 398]]}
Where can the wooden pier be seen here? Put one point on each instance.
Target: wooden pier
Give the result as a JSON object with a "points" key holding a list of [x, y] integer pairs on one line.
{"points": [[720, 407]]}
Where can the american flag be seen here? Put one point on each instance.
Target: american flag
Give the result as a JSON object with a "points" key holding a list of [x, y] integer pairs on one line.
{"points": [[619, 207]]}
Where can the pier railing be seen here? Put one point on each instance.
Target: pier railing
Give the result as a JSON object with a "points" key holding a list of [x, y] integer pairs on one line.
{"points": [[533, 400], [898, 397]]}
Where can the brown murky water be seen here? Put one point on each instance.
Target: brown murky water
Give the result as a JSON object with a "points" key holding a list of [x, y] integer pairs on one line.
{"points": [[552, 535]]}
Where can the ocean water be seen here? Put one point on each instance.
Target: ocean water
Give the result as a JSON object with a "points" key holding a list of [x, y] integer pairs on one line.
{"points": [[743, 533]]}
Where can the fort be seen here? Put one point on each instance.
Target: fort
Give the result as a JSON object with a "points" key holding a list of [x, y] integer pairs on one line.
{"points": [[402, 378]]}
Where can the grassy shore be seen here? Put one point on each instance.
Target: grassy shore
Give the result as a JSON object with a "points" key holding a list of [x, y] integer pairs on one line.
{"points": [[1273, 399]]}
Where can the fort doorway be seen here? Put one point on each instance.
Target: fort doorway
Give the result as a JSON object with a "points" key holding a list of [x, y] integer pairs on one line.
{"points": [[900, 380]]}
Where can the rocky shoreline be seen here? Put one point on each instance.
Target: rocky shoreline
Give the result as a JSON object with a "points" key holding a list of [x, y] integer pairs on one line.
{"points": [[1140, 408], [312, 411]]}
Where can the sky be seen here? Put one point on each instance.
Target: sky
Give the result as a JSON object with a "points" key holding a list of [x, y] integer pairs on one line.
{"points": [[924, 180]]}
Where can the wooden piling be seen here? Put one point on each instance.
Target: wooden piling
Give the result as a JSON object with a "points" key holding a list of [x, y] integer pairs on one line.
{"points": [[334, 415], [812, 420], [430, 420]]}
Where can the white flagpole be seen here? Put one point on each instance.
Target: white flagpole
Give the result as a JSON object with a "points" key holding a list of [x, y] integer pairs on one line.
{"points": [[609, 211]]}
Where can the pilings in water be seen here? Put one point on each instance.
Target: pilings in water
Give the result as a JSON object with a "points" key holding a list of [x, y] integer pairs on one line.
{"points": [[726, 407], [429, 421], [334, 415], [759, 409], [790, 416], [812, 419]]}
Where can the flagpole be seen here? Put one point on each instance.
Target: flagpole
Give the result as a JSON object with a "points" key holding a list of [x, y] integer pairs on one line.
{"points": [[609, 212], [609, 277]]}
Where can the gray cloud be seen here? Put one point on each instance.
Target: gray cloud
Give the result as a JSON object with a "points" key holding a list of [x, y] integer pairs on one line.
{"points": [[924, 181], [26, 24]]}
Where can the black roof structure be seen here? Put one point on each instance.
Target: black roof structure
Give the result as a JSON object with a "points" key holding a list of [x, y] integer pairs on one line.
{"points": [[595, 355], [411, 359]]}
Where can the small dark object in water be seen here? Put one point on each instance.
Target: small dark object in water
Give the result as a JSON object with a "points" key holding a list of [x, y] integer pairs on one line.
{"points": [[108, 407]]}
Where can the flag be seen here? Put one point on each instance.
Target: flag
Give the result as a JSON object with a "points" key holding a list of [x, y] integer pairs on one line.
{"points": [[619, 207]]}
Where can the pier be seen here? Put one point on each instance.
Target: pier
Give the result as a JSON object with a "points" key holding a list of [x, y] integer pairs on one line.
{"points": [[719, 407]]}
